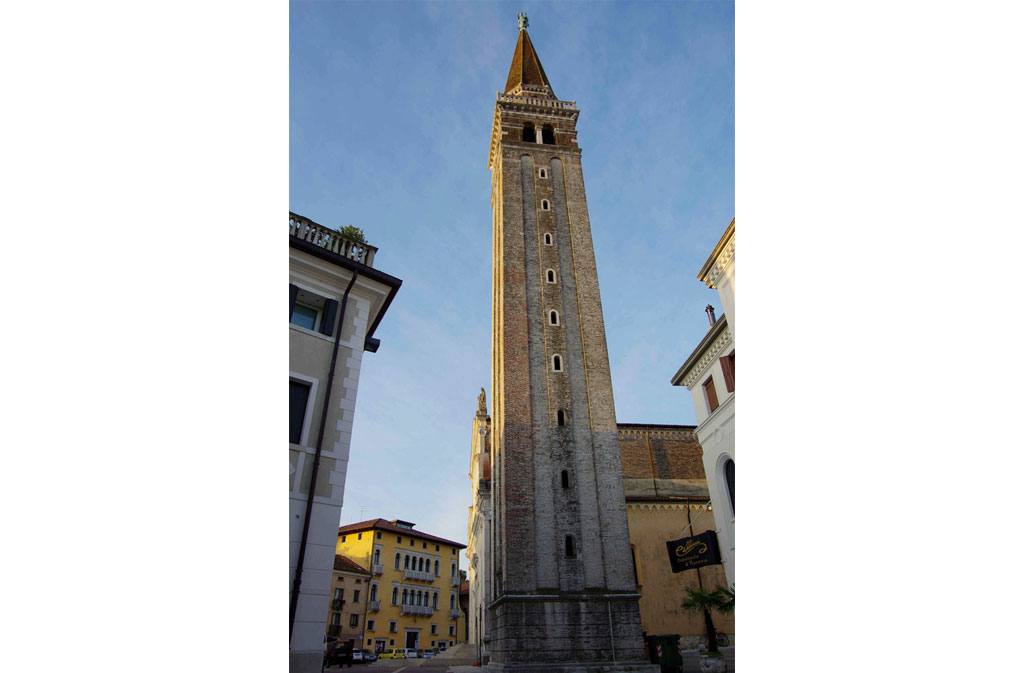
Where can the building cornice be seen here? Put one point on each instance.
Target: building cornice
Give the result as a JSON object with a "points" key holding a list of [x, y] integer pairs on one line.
{"points": [[720, 258], [713, 343]]}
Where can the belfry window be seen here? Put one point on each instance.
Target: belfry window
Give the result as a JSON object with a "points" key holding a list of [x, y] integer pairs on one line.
{"points": [[529, 134], [556, 363], [548, 134]]}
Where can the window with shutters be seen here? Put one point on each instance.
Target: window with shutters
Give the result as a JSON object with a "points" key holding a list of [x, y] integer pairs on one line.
{"points": [[709, 394], [311, 311], [729, 371]]}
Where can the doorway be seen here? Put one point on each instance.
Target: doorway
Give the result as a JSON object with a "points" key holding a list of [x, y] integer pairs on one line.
{"points": [[412, 639]]}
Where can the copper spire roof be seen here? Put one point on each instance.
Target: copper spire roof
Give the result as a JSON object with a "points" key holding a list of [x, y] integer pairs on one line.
{"points": [[526, 68]]}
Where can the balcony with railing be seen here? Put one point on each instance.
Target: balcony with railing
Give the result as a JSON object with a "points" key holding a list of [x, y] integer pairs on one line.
{"points": [[456, 581], [336, 604], [417, 609], [330, 239], [374, 606], [377, 569], [409, 574], [454, 614]]}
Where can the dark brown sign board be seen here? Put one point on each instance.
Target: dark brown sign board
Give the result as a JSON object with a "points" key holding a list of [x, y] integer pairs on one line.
{"points": [[694, 552]]}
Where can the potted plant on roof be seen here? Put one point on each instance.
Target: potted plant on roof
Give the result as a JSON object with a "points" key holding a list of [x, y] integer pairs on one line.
{"points": [[700, 600]]}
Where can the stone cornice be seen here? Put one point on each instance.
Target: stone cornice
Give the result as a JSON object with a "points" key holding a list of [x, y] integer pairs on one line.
{"points": [[706, 353], [720, 257]]}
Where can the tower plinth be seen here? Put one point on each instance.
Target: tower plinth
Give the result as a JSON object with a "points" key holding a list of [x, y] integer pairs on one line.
{"points": [[563, 585]]}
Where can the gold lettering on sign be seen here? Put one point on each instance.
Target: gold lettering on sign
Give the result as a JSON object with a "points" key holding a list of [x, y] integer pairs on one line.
{"points": [[683, 550]]}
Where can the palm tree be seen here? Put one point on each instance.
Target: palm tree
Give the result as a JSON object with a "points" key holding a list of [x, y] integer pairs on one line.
{"points": [[701, 600]]}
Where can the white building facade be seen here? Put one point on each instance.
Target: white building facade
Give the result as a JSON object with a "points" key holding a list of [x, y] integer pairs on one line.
{"points": [[336, 301], [710, 376]]}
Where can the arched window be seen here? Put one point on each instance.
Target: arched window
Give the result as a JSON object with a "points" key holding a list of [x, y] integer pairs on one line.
{"points": [[553, 317], [453, 570], [565, 478], [730, 482], [435, 600], [551, 275], [451, 602], [394, 596], [548, 240], [398, 561], [437, 568], [561, 417], [529, 134], [547, 133], [544, 205], [636, 572], [406, 561], [570, 546], [376, 557], [421, 564], [556, 363], [542, 172], [405, 596], [373, 592]]}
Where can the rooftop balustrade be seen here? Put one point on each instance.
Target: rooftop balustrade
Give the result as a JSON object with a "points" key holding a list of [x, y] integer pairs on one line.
{"points": [[541, 102], [330, 239]]}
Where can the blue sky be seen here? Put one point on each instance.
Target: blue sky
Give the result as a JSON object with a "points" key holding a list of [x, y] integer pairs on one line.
{"points": [[391, 106]]}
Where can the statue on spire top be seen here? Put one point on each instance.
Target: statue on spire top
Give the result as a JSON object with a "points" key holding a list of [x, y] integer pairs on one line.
{"points": [[523, 21]]}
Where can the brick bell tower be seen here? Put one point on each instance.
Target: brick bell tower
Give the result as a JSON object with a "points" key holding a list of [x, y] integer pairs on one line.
{"points": [[564, 594]]}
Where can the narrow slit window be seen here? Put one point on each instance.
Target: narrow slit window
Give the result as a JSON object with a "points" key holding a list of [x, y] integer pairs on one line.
{"points": [[544, 205], [551, 275], [561, 417], [553, 317], [570, 546], [543, 172], [565, 478], [556, 363], [548, 240]]}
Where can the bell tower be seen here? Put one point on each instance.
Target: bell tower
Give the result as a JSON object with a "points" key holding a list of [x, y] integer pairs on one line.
{"points": [[564, 596]]}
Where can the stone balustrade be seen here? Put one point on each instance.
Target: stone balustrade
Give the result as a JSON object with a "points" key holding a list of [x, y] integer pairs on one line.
{"points": [[330, 239], [374, 606], [540, 102], [378, 569], [417, 609], [417, 575]]}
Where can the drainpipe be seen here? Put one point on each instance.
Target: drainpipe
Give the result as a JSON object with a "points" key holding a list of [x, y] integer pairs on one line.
{"points": [[316, 460]]}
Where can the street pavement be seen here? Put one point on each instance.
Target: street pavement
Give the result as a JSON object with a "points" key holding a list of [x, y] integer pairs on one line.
{"points": [[460, 659]]}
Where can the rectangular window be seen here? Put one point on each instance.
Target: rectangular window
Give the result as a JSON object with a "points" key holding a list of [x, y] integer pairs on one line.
{"points": [[399, 539], [393, 627], [304, 316], [378, 535], [339, 594], [729, 371], [298, 397], [709, 393], [451, 630], [336, 619], [359, 536], [355, 596], [370, 623], [433, 629], [353, 620]]}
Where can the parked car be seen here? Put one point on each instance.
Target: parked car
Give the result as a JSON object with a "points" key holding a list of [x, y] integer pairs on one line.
{"points": [[392, 654], [338, 654], [410, 653], [369, 657], [429, 654], [442, 646]]}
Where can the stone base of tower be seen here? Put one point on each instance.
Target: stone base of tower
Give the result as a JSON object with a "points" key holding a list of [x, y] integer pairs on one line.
{"points": [[568, 633]]}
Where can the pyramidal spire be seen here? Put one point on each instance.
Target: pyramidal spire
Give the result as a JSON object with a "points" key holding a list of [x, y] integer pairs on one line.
{"points": [[527, 74]]}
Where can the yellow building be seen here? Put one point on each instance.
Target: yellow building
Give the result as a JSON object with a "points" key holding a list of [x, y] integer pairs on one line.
{"points": [[414, 584]]}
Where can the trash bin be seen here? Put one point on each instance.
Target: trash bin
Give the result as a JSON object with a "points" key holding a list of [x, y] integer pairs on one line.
{"points": [[664, 651]]}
